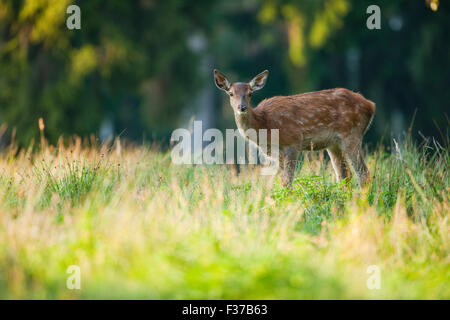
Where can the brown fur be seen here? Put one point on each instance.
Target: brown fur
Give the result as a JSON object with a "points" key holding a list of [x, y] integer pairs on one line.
{"points": [[333, 119], [316, 118]]}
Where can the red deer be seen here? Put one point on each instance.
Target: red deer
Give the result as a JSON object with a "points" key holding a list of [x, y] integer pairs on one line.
{"points": [[333, 119]]}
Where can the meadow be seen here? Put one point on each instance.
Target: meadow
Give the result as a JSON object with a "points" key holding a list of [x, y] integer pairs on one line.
{"points": [[139, 226]]}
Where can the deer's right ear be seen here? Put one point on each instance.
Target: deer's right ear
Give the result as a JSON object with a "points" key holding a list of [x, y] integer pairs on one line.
{"points": [[221, 81]]}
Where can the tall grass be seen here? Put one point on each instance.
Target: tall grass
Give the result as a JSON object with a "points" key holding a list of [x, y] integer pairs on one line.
{"points": [[139, 226]]}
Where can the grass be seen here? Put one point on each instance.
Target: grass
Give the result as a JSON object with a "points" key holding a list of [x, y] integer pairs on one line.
{"points": [[139, 226]]}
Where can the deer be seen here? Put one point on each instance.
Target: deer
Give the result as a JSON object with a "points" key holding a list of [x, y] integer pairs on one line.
{"points": [[332, 119]]}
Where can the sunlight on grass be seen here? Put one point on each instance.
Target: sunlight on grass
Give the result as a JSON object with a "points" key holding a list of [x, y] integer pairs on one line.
{"points": [[140, 227]]}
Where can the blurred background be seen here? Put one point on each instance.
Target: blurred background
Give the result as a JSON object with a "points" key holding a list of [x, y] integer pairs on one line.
{"points": [[143, 68]]}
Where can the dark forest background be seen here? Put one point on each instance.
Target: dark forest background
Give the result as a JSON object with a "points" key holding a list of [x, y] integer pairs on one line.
{"points": [[143, 68]]}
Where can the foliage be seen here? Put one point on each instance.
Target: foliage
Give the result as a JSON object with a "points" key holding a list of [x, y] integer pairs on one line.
{"points": [[127, 64], [318, 196], [75, 182], [141, 227]]}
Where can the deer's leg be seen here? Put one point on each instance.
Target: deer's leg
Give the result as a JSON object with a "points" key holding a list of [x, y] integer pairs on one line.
{"points": [[363, 172], [289, 156], [339, 163], [353, 151]]}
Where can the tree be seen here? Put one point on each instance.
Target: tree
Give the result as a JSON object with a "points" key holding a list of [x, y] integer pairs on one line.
{"points": [[130, 62]]}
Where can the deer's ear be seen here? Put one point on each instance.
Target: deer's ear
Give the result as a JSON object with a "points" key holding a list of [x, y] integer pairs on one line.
{"points": [[221, 81], [259, 81]]}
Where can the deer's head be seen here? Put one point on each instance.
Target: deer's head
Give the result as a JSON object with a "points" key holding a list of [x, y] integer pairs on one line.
{"points": [[240, 92]]}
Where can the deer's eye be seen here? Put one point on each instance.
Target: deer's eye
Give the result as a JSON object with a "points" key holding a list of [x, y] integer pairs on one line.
{"points": [[230, 93]]}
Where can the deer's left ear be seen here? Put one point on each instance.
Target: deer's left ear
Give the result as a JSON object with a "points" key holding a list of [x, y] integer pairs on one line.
{"points": [[259, 81]]}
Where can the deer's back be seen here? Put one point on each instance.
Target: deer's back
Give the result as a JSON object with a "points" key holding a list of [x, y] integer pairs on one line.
{"points": [[316, 117]]}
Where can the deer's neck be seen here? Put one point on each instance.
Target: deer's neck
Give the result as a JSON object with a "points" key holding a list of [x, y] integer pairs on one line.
{"points": [[245, 121]]}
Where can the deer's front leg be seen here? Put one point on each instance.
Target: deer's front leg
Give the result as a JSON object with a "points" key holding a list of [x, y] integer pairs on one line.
{"points": [[288, 161]]}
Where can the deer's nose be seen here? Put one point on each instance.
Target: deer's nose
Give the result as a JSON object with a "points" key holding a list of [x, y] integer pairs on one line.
{"points": [[242, 107]]}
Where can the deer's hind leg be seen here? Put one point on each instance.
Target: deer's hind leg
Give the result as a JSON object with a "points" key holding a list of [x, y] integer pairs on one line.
{"points": [[353, 152], [339, 163], [289, 157]]}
